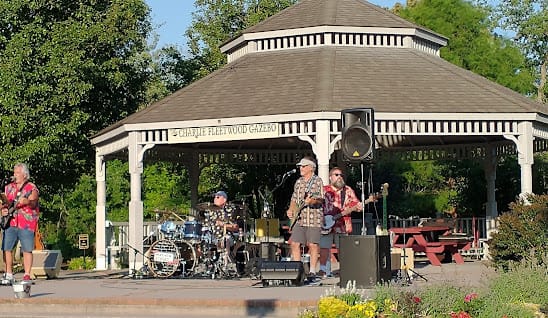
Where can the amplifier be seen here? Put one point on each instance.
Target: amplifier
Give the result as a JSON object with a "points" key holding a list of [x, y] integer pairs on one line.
{"points": [[46, 263], [365, 259], [282, 273]]}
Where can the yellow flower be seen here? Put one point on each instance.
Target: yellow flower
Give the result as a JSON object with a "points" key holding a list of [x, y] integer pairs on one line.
{"points": [[331, 307]]}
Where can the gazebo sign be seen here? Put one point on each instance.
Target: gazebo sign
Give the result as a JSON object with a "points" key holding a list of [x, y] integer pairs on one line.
{"points": [[221, 133]]}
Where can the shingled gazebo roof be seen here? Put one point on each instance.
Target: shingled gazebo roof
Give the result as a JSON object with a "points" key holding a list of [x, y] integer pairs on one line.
{"points": [[334, 77]]}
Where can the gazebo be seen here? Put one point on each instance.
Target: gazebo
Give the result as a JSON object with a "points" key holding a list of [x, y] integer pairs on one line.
{"points": [[281, 95]]}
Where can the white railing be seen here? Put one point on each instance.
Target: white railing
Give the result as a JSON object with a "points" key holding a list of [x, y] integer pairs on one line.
{"points": [[117, 234]]}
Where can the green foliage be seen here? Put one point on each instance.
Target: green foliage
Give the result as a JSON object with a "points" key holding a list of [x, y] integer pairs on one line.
{"points": [[165, 188], [67, 70], [524, 282], [472, 44], [529, 21], [522, 232], [174, 70], [213, 23], [80, 263]]}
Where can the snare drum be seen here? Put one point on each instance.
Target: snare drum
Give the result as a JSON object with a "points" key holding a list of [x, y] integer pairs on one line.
{"points": [[192, 230]]}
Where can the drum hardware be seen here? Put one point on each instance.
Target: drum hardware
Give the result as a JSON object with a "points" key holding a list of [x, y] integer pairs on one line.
{"points": [[144, 271]]}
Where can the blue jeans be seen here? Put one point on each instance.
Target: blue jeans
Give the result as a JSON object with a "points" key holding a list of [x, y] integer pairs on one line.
{"points": [[12, 234]]}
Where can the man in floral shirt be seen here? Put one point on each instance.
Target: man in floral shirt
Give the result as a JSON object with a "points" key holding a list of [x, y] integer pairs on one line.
{"points": [[305, 212], [23, 195]]}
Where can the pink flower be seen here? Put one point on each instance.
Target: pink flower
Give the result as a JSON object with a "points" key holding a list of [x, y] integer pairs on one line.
{"points": [[468, 298], [416, 299], [460, 314]]}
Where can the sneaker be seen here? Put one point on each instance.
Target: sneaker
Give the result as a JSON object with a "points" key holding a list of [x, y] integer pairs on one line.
{"points": [[313, 280], [7, 279], [322, 274], [26, 278]]}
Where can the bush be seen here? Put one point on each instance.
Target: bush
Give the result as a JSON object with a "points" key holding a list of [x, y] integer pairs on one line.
{"points": [[522, 232], [78, 263]]}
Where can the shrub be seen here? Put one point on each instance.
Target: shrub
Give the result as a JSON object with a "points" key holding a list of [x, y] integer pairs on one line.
{"points": [[78, 263], [522, 231]]}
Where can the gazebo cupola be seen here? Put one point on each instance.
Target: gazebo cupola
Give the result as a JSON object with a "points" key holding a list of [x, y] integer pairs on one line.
{"points": [[342, 23]]}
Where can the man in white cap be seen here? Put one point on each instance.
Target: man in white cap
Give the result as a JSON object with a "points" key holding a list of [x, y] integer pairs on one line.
{"points": [[306, 215]]}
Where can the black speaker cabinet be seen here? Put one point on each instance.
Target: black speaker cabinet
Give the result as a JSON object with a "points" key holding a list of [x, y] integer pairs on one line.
{"points": [[46, 263], [365, 259], [282, 273], [358, 135]]}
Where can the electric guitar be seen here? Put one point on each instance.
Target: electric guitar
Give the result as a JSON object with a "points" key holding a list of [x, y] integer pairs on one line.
{"points": [[301, 206], [297, 216], [6, 219], [330, 220]]}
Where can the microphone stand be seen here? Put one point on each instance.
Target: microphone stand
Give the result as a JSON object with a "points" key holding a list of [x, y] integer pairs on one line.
{"points": [[136, 251], [364, 229]]}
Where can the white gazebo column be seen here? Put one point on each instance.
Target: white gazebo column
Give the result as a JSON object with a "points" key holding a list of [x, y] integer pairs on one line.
{"points": [[524, 145], [526, 157], [322, 147], [136, 153], [491, 210], [100, 214]]}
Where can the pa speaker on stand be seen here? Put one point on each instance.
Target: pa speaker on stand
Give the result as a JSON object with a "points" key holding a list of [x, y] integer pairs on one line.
{"points": [[358, 140]]}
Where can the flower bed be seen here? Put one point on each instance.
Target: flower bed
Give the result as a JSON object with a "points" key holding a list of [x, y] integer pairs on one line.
{"points": [[521, 292]]}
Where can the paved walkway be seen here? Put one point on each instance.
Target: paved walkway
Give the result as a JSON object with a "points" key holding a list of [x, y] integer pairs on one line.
{"points": [[111, 294]]}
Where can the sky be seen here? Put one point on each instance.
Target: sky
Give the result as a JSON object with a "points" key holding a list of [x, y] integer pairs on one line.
{"points": [[171, 18]]}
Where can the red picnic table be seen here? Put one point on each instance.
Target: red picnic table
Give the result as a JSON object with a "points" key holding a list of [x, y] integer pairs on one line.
{"points": [[434, 241]]}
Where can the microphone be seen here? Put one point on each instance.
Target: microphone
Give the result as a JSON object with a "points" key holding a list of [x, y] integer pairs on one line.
{"points": [[290, 172]]}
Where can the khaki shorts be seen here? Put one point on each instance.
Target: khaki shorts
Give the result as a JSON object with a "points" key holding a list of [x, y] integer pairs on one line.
{"points": [[326, 241], [306, 234]]}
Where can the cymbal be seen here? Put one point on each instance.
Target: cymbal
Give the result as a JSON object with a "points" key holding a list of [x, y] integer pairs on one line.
{"points": [[165, 212], [207, 206]]}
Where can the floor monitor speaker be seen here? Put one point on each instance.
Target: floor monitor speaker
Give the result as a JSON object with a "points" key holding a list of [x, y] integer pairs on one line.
{"points": [[365, 259], [46, 263], [282, 273]]}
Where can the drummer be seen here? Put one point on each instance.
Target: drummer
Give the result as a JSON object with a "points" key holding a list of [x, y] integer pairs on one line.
{"points": [[221, 221]]}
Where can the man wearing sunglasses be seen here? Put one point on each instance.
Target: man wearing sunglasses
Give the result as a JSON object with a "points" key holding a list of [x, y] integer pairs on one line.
{"points": [[339, 202]]}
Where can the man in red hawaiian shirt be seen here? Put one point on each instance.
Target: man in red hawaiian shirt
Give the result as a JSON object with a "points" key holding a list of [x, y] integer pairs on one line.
{"points": [[23, 225], [339, 202]]}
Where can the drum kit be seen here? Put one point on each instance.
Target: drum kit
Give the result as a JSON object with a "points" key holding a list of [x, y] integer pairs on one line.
{"points": [[193, 249]]}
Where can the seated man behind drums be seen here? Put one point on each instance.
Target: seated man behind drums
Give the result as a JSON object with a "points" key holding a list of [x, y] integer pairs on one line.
{"points": [[221, 222]]}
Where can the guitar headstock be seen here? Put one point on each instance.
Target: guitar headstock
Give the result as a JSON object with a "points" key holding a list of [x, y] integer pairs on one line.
{"points": [[384, 189], [3, 199]]}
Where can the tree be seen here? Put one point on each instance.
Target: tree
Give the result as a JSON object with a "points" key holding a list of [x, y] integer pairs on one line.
{"points": [[528, 19], [67, 70], [174, 70], [472, 44], [215, 22]]}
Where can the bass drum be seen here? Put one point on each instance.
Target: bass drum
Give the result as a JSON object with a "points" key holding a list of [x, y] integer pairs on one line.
{"points": [[168, 258]]}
